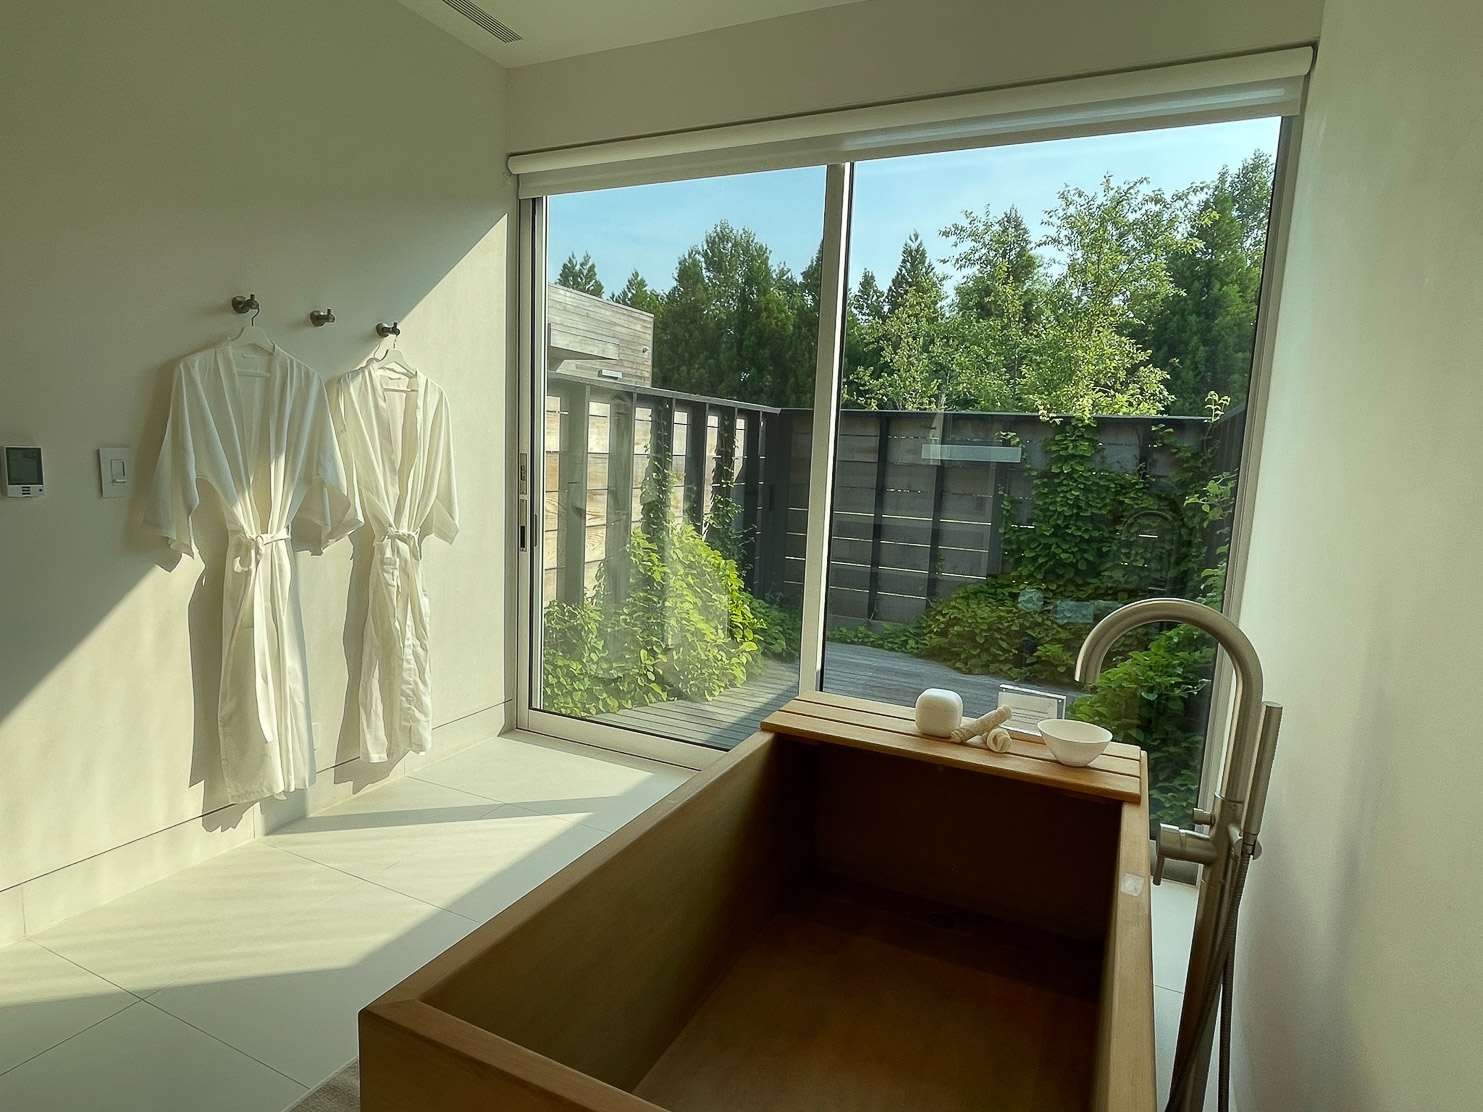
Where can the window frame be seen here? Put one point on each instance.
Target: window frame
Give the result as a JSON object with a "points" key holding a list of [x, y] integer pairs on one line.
{"points": [[528, 471]]}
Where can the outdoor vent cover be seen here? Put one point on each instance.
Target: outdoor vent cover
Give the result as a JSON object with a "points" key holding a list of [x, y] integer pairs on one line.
{"points": [[483, 19]]}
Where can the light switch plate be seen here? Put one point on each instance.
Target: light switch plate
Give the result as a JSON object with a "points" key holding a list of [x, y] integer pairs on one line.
{"points": [[115, 471]]}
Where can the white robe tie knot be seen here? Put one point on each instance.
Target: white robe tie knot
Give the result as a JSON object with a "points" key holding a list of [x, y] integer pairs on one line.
{"points": [[406, 537], [249, 548]]}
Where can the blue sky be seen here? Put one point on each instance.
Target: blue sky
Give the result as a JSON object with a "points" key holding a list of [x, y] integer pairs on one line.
{"points": [[648, 227]]}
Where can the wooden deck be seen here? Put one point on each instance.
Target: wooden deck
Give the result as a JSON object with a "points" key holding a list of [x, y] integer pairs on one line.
{"points": [[725, 721], [733, 716]]}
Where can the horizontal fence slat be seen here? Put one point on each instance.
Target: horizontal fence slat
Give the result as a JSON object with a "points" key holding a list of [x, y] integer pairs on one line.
{"points": [[891, 580], [950, 534]]}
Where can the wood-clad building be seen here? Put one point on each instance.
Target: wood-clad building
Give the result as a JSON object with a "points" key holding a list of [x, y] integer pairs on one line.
{"points": [[590, 337]]}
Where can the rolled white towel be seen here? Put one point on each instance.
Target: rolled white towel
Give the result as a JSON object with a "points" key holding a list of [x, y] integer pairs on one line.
{"points": [[981, 727], [997, 740]]}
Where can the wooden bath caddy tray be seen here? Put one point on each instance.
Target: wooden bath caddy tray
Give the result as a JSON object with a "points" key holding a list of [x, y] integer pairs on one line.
{"points": [[844, 720], [839, 914]]}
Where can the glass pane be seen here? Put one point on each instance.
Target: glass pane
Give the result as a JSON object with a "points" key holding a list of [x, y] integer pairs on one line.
{"points": [[682, 323], [1047, 359]]}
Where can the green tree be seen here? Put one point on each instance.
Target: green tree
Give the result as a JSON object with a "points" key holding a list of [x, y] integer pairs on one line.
{"points": [[902, 350], [868, 300], [636, 294], [1251, 186], [915, 273], [1205, 335], [1002, 284], [1115, 247], [1020, 334], [735, 325], [862, 356], [1001, 278], [920, 358], [580, 276]]}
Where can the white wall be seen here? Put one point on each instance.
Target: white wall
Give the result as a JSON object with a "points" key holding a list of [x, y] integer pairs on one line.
{"points": [[1360, 983], [867, 53], [159, 157]]}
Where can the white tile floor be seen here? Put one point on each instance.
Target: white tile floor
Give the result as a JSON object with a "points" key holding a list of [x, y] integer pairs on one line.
{"points": [[234, 985]]}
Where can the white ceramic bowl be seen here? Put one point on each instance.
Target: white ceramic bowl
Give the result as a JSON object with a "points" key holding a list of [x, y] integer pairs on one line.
{"points": [[1074, 743]]}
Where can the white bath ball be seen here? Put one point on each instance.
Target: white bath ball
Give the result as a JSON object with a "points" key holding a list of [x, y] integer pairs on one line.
{"points": [[939, 712]]}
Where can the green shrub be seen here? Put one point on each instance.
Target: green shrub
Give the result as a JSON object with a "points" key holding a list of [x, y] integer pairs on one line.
{"points": [[710, 634], [779, 632], [982, 630], [682, 626], [1151, 698], [573, 644], [909, 639]]}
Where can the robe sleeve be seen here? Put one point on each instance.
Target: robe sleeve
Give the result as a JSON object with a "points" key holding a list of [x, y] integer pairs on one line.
{"points": [[442, 518], [330, 509], [174, 497]]}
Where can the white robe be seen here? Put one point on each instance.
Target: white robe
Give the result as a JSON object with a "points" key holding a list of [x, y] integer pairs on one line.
{"points": [[266, 446], [398, 450]]}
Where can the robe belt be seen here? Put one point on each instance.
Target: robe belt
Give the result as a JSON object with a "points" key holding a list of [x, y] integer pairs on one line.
{"points": [[250, 548], [410, 539], [254, 546]]}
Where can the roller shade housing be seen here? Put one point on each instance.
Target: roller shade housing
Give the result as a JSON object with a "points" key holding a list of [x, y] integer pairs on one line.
{"points": [[1245, 87]]}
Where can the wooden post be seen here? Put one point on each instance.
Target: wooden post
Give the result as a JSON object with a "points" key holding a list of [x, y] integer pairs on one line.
{"points": [[620, 494], [723, 484], [571, 527], [751, 508], [883, 442], [694, 501], [777, 480], [935, 547], [994, 547], [661, 447]]}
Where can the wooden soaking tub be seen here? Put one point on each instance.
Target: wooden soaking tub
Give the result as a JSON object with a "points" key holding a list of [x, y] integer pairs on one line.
{"points": [[840, 915]]}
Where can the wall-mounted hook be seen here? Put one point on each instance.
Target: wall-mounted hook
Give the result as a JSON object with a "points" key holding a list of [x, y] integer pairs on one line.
{"points": [[245, 303], [393, 329], [321, 317]]}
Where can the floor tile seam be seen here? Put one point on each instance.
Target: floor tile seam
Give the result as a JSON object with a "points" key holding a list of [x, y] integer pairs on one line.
{"points": [[370, 793], [177, 876], [421, 849], [143, 994], [378, 884], [81, 1030], [330, 896], [90, 972], [217, 1038], [150, 993], [306, 856], [438, 783]]}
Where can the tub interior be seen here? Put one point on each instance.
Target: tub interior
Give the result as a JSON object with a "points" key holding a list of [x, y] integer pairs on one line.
{"points": [[817, 927]]}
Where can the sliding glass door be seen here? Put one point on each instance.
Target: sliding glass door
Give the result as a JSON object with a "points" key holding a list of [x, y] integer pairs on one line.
{"points": [[1038, 360], [676, 401]]}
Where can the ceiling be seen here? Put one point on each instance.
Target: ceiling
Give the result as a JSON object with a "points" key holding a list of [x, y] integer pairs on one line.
{"points": [[552, 29]]}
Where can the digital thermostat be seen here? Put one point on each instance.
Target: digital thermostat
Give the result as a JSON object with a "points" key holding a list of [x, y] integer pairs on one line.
{"points": [[23, 474]]}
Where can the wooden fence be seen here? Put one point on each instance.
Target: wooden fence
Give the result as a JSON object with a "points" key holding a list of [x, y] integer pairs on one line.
{"points": [[600, 440], [919, 501], [918, 497]]}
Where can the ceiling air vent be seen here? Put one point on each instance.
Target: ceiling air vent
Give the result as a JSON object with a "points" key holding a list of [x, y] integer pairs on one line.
{"points": [[483, 19]]}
